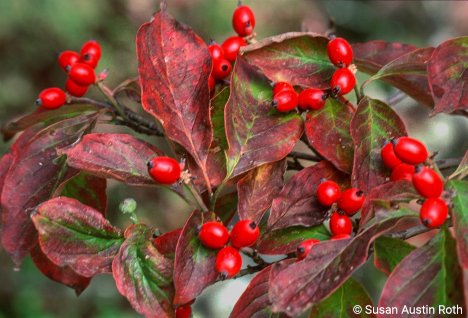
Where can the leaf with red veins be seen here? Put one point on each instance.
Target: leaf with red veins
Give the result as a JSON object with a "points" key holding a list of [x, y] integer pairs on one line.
{"points": [[36, 170], [143, 275], [174, 65], [327, 131], [258, 189], [75, 235], [296, 57], [428, 276], [194, 265], [256, 132], [167, 243], [448, 76], [297, 204], [373, 124], [296, 287]]}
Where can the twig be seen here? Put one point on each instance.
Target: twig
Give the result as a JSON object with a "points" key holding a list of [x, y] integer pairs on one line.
{"points": [[413, 231], [448, 163], [294, 165], [300, 155]]}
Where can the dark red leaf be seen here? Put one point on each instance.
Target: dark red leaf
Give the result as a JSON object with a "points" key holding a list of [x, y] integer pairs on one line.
{"points": [[297, 203], [194, 265], [327, 131], [256, 132], [5, 163], [448, 75], [258, 188], [300, 285], [143, 275], [460, 218], [73, 234], [373, 124], [389, 252], [167, 243]]}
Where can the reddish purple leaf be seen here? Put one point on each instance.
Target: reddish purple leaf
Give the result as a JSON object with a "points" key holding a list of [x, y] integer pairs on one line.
{"points": [[297, 204], [460, 218], [194, 265], [174, 65], [256, 132], [75, 235], [167, 243], [373, 124], [327, 131], [296, 287], [143, 275], [258, 188], [5, 163], [448, 75], [428, 276], [118, 156], [389, 252]]}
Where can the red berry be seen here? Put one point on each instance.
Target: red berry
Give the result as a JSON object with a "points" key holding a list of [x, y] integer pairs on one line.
{"points": [[228, 261], [221, 68], [184, 311], [340, 224], [211, 83], [340, 237], [243, 21], [342, 81], [82, 74], [340, 52], [231, 47], [410, 150], [91, 47], [245, 233], [51, 98], [90, 60], [388, 156], [402, 172], [433, 212], [75, 89], [304, 248], [427, 182], [285, 101], [282, 86], [68, 58], [328, 192], [351, 201], [213, 235], [216, 51], [312, 98], [164, 170]]}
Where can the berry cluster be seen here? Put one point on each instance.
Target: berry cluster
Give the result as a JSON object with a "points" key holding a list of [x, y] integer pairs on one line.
{"points": [[405, 157], [80, 68], [164, 170], [215, 235]]}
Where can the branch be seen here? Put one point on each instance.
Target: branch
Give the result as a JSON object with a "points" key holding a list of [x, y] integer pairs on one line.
{"points": [[414, 231], [301, 155]]}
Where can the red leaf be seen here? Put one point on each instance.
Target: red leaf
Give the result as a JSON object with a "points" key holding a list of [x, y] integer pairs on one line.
{"points": [[118, 156], [73, 234], [300, 285], [5, 163], [297, 204], [174, 65], [327, 131], [194, 265], [373, 123], [143, 275], [256, 132], [258, 188], [448, 76], [167, 243]]}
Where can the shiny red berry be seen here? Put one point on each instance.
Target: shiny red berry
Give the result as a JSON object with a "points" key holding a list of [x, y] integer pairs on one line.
{"points": [[68, 58], [285, 101], [342, 81], [216, 51], [340, 237], [231, 47], [51, 98], [82, 74], [245, 233], [433, 212], [221, 68], [91, 47], [228, 261], [403, 171], [312, 98], [340, 52], [304, 248], [90, 60], [164, 170], [243, 21], [340, 224], [351, 201], [410, 150], [427, 182], [328, 192], [211, 83], [184, 311], [75, 89], [278, 87], [388, 156], [213, 235]]}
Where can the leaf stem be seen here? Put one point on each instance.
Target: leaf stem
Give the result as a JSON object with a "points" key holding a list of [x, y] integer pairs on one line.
{"points": [[305, 156], [196, 196], [107, 93], [215, 195]]}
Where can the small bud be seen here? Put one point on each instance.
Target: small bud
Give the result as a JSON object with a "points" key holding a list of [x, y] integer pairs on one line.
{"points": [[128, 206]]}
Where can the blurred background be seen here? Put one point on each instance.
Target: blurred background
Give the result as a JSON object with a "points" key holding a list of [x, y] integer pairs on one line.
{"points": [[33, 32]]}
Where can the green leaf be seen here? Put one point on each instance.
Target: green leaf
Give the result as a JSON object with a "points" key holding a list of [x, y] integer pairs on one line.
{"points": [[462, 170], [460, 218], [388, 253], [218, 104]]}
